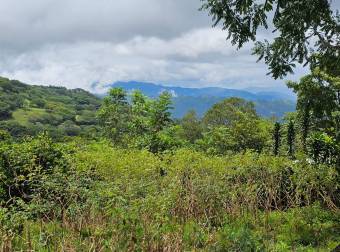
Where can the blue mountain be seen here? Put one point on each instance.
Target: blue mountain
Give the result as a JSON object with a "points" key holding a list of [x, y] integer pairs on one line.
{"points": [[267, 103], [153, 90]]}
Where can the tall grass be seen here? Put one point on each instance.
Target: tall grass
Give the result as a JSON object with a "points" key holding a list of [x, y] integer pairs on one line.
{"points": [[128, 200]]}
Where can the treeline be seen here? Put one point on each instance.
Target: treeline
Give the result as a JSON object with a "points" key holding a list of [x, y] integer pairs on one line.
{"points": [[139, 122], [232, 125]]}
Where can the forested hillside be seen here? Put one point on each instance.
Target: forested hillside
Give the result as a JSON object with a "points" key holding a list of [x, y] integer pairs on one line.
{"points": [[28, 110]]}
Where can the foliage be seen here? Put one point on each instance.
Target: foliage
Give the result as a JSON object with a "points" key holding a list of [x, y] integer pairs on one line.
{"points": [[233, 126], [290, 138], [30, 110], [114, 115], [142, 123], [23, 165], [4, 135], [304, 31], [323, 148], [153, 183], [118, 199], [318, 113], [192, 127], [228, 111], [276, 138], [318, 100]]}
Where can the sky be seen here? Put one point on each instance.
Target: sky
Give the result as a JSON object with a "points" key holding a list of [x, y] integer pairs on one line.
{"points": [[76, 43]]}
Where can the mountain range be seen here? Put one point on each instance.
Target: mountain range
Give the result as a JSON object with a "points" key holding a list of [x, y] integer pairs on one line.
{"points": [[267, 103]]}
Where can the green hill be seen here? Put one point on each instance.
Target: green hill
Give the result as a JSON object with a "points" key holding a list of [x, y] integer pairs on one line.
{"points": [[27, 109]]}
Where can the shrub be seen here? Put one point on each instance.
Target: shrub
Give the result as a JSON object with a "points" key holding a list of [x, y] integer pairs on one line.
{"points": [[95, 195], [22, 165]]}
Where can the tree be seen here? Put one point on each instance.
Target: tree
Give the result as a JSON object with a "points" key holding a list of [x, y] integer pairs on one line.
{"points": [[233, 125], [140, 109], [277, 138], [318, 104], [160, 115], [217, 140], [160, 119], [305, 31], [244, 134], [318, 108], [323, 148], [115, 114], [250, 133], [228, 111], [70, 128], [139, 123], [290, 138], [22, 166], [4, 135], [5, 111], [192, 127]]}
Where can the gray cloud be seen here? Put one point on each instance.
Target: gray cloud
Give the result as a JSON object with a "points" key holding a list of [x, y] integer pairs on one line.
{"points": [[76, 43], [37, 22]]}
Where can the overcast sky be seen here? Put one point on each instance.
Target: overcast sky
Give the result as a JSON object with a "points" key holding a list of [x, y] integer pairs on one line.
{"points": [[76, 43]]}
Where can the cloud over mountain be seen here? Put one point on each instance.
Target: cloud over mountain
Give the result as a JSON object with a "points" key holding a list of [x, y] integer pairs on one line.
{"points": [[80, 42]]}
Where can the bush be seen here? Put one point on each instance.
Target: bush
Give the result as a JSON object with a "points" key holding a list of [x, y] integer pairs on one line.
{"points": [[4, 135], [22, 166], [95, 195]]}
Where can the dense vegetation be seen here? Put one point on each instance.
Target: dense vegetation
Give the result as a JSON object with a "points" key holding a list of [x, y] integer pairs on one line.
{"points": [[75, 197], [303, 32], [229, 181], [28, 110]]}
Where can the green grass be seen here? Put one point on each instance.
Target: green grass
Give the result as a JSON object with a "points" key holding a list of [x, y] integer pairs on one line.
{"points": [[22, 116]]}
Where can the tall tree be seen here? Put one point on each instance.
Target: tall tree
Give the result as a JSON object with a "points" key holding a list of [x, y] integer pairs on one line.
{"points": [[277, 138], [228, 111], [233, 125], [160, 119], [290, 138], [318, 103], [160, 114], [192, 127], [115, 114], [140, 110], [305, 31]]}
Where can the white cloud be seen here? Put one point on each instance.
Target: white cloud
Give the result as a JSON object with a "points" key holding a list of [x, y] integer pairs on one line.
{"points": [[180, 61], [76, 43]]}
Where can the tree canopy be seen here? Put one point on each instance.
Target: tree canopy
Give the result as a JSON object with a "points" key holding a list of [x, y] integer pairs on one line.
{"points": [[228, 112], [303, 32]]}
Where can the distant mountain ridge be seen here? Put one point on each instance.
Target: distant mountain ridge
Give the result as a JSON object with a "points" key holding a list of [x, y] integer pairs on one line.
{"points": [[153, 90], [267, 103]]}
